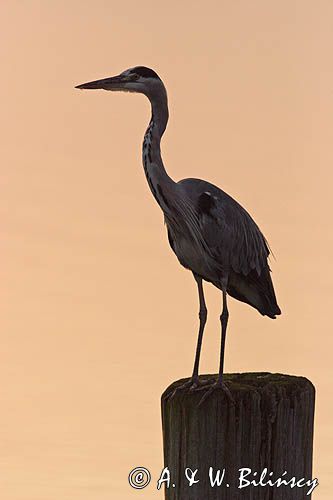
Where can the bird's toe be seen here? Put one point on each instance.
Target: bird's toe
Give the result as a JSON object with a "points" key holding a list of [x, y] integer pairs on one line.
{"points": [[219, 385], [190, 384]]}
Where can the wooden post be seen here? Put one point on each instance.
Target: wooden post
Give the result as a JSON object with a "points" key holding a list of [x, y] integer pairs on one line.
{"points": [[269, 426]]}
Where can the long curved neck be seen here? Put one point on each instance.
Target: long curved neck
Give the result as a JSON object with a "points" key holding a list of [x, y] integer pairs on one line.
{"points": [[178, 211], [160, 111], [159, 182]]}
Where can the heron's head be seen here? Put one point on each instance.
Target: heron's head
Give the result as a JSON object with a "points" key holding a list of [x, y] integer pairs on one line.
{"points": [[138, 79]]}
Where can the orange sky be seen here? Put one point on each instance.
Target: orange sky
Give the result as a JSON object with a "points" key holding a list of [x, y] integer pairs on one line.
{"points": [[97, 315]]}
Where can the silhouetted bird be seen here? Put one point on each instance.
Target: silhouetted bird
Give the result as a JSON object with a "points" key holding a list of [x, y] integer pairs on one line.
{"points": [[211, 234]]}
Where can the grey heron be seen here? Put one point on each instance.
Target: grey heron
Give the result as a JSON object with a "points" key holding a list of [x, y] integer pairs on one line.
{"points": [[211, 234]]}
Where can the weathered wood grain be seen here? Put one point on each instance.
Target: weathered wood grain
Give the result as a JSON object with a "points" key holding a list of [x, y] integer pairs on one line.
{"points": [[270, 426]]}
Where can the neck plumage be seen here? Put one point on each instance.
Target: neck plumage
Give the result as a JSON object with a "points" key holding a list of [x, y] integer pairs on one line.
{"points": [[161, 185], [179, 212]]}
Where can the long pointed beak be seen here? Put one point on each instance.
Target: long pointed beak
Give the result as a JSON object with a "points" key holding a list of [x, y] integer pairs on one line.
{"points": [[112, 83]]}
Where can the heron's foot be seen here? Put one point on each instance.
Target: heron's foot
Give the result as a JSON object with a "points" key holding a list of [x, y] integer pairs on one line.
{"points": [[218, 385], [193, 384]]}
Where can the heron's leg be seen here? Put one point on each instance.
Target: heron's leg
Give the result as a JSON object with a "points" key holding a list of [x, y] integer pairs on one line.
{"points": [[224, 322], [193, 383], [219, 384], [203, 319]]}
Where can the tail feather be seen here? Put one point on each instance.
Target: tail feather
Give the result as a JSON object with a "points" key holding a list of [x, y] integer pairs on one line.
{"points": [[256, 290]]}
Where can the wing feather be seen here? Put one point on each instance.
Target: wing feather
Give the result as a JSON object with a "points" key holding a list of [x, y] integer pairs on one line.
{"points": [[239, 241], [233, 238]]}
